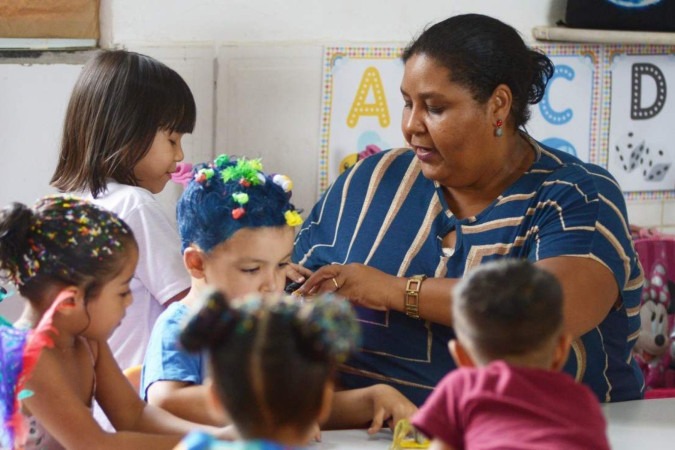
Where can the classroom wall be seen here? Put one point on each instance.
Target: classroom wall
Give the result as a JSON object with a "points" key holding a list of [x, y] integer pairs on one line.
{"points": [[303, 21], [255, 69]]}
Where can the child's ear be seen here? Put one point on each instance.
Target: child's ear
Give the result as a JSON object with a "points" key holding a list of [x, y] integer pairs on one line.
{"points": [[193, 259], [561, 351], [459, 354], [68, 299], [326, 402]]}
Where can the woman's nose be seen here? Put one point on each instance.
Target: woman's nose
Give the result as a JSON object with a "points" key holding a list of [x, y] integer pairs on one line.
{"points": [[412, 123]]}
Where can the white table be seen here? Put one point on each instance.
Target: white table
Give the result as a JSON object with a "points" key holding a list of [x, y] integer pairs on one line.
{"points": [[353, 440], [640, 424]]}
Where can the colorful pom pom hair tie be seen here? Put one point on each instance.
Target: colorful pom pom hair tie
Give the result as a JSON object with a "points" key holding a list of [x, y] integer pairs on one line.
{"points": [[245, 173], [67, 222]]}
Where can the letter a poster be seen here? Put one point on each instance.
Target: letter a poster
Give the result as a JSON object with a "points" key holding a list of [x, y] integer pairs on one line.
{"points": [[361, 105]]}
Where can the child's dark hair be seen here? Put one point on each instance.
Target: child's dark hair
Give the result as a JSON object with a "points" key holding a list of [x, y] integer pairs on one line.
{"points": [[272, 355], [507, 308], [119, 102], [61, 241], [229, 194], [481, 53]]}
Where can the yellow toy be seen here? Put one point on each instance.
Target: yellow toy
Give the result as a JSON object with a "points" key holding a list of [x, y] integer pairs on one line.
{"points": [[406, 436], [351, 159]]}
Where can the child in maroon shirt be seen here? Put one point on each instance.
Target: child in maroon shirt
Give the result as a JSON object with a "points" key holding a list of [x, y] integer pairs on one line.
{"points": [[509, 391]]}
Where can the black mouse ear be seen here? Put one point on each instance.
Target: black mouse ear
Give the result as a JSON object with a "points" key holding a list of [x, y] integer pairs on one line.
{"points": [[671, 304]]}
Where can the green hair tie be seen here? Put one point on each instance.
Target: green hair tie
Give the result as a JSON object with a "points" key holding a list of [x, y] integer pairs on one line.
{"points": [[240, 197]]}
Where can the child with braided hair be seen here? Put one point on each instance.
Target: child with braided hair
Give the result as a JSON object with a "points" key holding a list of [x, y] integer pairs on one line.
{"points": [[73, 262], [236, 225], [273, 359]]}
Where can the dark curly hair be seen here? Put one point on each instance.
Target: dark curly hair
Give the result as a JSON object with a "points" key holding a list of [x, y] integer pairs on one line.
{"points": [[481, 53], [272, 355], [61, 241], [507, 308]]}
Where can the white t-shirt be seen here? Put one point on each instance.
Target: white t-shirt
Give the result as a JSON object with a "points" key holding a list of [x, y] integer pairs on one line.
{"points": [[160, 274]]}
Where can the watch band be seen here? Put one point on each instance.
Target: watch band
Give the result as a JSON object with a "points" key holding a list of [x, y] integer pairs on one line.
{"points": [[412, 296]]}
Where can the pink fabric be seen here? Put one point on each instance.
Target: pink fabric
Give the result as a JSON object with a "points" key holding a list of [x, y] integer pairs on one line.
{"points": [[504, 407], [659, 393], [183, 174], [655, 347], [369, 151]]}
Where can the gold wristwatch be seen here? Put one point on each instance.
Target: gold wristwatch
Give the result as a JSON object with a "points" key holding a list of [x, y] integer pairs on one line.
{"points": [[412, 296]]}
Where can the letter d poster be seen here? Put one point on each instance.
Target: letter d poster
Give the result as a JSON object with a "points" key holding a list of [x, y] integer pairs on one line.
{"points": [[641, 148]]}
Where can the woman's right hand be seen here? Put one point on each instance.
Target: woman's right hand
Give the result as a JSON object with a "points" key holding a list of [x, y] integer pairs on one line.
{"points": [[362, 285]]}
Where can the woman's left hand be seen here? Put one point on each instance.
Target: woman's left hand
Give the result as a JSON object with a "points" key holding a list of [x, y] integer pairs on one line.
{"points": [[362, 285]]}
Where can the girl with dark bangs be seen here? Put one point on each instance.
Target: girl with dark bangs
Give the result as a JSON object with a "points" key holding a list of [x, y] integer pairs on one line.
{"points": [[121, 143]]}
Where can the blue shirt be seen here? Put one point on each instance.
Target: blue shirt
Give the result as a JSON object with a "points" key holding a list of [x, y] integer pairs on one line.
{"points": [[386, 214], [165, 360], [198, 440]]}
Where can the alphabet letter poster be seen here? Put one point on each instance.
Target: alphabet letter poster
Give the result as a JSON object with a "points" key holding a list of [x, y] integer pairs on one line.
{"points": [[641, 139], [606, 104], [362, 105]]}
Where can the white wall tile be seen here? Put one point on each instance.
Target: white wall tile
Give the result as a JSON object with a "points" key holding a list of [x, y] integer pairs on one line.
{"points": [[268, 106], [669, 213], [645, 213]]}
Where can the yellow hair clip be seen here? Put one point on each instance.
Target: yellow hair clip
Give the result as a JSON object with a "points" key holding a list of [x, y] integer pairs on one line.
{"points": [[406, 436], [293, 219]]}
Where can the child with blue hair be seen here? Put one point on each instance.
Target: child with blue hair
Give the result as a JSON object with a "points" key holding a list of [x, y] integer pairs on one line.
{"points": [[236, 229], [236, 225]]}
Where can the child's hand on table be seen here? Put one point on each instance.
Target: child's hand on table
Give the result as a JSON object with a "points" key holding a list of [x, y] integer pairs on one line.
{"points": [[389, 406]]}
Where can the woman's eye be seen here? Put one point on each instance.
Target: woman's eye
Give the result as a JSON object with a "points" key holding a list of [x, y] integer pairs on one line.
{"points": [[252, 270]]}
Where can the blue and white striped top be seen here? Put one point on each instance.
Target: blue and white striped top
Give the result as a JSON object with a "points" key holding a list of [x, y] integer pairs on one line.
{"points": [[386, 214]]}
